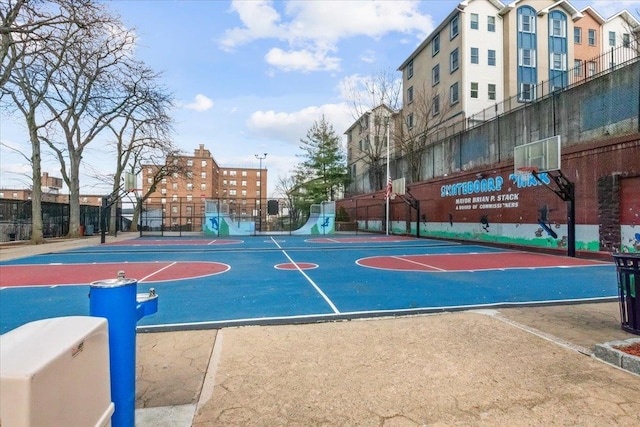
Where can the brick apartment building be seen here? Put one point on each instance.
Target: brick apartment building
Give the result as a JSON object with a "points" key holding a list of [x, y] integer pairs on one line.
{"points": [[182, 196]]}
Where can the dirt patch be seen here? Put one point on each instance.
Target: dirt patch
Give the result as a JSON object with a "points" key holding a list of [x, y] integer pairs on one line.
{"points": [[633, 349]]}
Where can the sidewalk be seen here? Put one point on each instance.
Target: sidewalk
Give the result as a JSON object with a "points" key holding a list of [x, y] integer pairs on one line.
{"points": [[517, 366]]}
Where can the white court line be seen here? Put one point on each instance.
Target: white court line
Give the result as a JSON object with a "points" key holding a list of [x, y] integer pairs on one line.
{"points": [[211, 242], [418, 263], [317, 288], [156, 272]]}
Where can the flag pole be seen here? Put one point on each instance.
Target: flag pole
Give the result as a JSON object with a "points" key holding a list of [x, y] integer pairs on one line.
{"points": [[388, 173]]}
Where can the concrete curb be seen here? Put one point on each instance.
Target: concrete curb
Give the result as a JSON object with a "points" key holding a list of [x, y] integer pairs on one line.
{"points": [[610, 354]]}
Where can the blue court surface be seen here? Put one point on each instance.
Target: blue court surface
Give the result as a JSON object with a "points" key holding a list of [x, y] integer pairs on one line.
{"points": [[296, 279]]}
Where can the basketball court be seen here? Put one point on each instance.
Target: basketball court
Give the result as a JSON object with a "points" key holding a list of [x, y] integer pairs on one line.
{"points": [[211, 283]]}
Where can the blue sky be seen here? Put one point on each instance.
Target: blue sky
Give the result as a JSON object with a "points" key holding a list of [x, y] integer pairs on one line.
{"points": [[251, 77]]}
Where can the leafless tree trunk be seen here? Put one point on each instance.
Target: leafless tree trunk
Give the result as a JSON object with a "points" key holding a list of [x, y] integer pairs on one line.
{"points": [[428, 110], [26, 27], [90, 57], [144, 124], [373, 100]]}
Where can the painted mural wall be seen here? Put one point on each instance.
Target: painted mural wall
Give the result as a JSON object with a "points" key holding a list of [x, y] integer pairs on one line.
{"points": [[496, 205]]}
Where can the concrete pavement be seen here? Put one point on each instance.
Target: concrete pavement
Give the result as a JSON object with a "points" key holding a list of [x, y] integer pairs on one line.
{"points": [[518, 366]]}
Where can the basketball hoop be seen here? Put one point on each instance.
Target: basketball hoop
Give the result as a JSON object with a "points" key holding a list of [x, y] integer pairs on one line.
{"points": [[527, 171]]}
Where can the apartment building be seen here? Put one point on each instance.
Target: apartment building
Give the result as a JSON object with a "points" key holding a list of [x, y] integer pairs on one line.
{"points": [[457, 69], [622, 29], [587, 43], [367, 147], [537, 46], [182, 195]]}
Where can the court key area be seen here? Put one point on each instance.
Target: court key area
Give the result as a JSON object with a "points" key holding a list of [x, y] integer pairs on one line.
{"points": [[214, 282]]}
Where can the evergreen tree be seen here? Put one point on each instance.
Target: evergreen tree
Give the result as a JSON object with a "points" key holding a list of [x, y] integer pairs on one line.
{"points": [[324, 169]]}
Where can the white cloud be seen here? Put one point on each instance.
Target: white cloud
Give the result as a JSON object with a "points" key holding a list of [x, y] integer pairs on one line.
{"points": [[292, 127], [368, 56], [310, 29], [302, 60], [201, 103]]}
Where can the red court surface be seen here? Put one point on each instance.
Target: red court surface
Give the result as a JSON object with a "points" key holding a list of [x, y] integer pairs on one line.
{"points": [[84, 274], [471, 262], [374, 239], [169, 242], [296, 266]]}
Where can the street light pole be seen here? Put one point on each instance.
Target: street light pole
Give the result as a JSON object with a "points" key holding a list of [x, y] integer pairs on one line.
{"points": [[261, 158], [388, 191]]}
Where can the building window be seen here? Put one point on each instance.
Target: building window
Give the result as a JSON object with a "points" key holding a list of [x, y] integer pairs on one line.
{"points": [[491, 57], [612, 38], [164, 180], [232, 192], [592, 37], [436, 105], [410, 69], [189, 186], [150, 171], [527, 92], [453, 27], [189, 162], [454, 95], [203, 175], [174, 186], [435, 45], [224, 173], [174, 198], [557, 28], [491, 24], [435, 75], [233, 173], [204, 163], [257, 183], [527, 23], [453, 60], [163, 191], [244, 183], [626, 40], [243, 192], [474, 90], [474, 21], [577, 35], [410, 121], [410, 95], [491, 90], [591, 68], [527, 58], [149, 180], [558, 61], [244, 173], [577, 67], [475, 56], [224, 182], [233, 182], [203, 186]]}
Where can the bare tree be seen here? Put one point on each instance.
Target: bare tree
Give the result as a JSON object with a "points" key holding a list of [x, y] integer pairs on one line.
{"points": [[26, 30], [143, 126], [165, 161], [89, 59], [373, 100], [416, 124], [289, 188]]}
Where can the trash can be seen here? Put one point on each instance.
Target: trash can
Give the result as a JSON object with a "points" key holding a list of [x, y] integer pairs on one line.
{"points": [[88, 230], [628, 266]]}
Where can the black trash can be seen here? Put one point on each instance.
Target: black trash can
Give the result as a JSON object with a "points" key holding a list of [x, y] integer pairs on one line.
{"points": [[628, 266]]}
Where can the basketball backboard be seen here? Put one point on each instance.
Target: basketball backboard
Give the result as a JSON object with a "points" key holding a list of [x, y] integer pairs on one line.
{"points": [[398, 186], [539, 156]]}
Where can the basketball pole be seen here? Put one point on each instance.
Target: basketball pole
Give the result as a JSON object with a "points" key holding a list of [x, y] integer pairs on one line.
{"points": [[388, 175]]}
